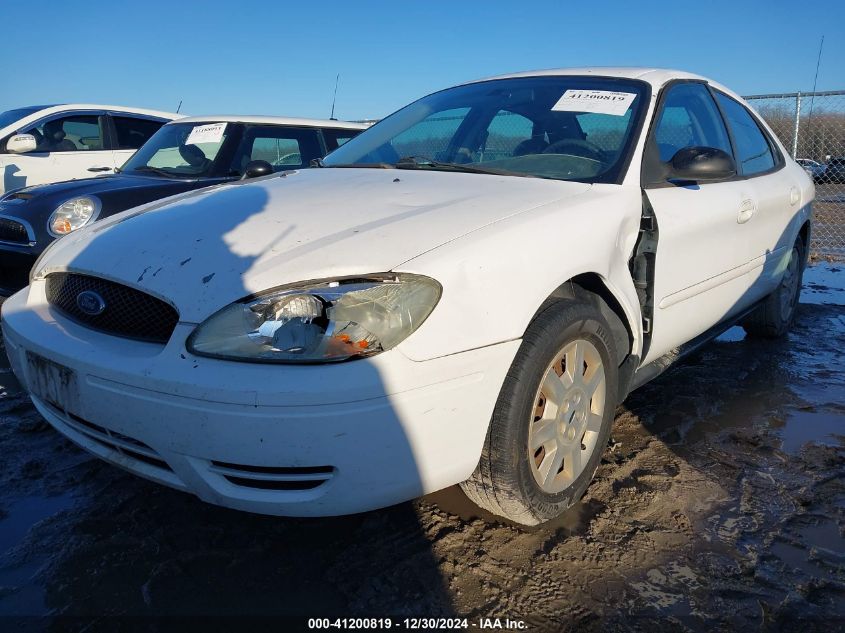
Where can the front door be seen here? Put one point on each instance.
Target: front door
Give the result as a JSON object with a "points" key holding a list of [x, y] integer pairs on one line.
{"points": [[69, 147], [707, 253]]}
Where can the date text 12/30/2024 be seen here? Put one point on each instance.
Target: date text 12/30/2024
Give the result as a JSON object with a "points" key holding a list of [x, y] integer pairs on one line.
{"points": [[417, 624]]}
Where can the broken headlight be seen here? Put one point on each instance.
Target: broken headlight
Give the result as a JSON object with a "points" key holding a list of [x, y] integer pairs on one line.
{"points": [[319, 322]]}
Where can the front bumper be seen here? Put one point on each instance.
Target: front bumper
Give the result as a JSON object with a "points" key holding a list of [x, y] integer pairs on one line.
{"points": [[272, 439]]}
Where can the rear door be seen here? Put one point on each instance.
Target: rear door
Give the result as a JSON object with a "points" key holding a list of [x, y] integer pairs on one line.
{"points": [[129, 133], [707, 252], [70, 146], [775, 191]]}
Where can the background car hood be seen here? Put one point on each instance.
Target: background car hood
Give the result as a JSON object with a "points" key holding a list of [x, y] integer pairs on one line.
{"points": [[205, 249], [97, 186]]}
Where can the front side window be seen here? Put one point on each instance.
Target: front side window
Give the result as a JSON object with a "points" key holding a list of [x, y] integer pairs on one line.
{"points": [[181, 150], [282, 147], [133, 132], [76, 133], [753, 153], [689, 118], [560, 127]]}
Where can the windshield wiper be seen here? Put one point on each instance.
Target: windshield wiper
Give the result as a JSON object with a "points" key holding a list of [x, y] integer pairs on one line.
{"points": [[421, 162], [156, 170]]}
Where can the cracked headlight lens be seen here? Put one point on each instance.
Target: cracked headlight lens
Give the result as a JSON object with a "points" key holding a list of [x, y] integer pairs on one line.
{"points": [[319, 322], [73, 215]]}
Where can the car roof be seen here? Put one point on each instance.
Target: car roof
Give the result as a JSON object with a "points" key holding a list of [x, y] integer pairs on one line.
{"points": [[274, 120], [63, 107], [41, 112], [657, 77]]}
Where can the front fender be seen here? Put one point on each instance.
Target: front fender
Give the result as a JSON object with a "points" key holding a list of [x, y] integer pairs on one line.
{"points": [[496, 278]]}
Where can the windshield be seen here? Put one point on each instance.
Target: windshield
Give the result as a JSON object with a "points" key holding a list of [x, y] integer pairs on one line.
{"points": [[10, 116], [180, 150], [562, 127]]}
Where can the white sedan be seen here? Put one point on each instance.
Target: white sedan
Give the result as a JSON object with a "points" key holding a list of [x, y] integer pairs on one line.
{"points": [[461, 294], [53, 143]]}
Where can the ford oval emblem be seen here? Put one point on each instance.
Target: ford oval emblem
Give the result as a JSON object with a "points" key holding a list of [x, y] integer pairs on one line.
{"points": [[90, 302]]}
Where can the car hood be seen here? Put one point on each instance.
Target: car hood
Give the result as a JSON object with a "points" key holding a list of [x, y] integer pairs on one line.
{"points": [[205, 249]]}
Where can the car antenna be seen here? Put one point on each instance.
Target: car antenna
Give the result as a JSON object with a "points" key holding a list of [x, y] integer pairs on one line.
{"points": [[179, 107], [815, 81], [334, 98]]}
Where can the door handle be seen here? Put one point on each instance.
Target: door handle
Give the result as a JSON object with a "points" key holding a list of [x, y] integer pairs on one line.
{"points": [[101, 169], [746, 210]]}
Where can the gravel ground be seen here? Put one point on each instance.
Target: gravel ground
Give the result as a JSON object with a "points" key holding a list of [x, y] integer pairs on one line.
{"points": [[720, 505]]}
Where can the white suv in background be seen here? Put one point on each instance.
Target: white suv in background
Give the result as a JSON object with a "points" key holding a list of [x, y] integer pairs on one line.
{"points": [[40, 144]]}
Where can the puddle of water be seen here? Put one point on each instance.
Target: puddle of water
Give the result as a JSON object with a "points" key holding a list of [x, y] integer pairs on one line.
{"points": [[27, 598], [820, 427], [824, 535], [824, 283], [25, 513], [733, 335]]}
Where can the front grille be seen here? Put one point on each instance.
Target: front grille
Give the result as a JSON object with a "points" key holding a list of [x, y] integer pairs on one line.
{"points": [[128, 312], [12, 231], [289, 478]]}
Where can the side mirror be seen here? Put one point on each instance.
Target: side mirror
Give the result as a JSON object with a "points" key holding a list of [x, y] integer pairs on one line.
{"points": [[256, 168], [701, 164], [21, 144]]}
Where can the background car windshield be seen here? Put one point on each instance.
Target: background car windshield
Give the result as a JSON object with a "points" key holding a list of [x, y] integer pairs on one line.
{"points": [[562, 127], [178, 150], [10, 116]]}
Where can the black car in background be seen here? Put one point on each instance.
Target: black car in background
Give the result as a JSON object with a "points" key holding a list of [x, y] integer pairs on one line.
{"points": [[833, 173], [186, 154]]}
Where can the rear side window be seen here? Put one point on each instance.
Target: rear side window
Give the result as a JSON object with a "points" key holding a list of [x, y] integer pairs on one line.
{"points": [[689, 118], [132, 132], [336, 138], [753, 152], [68, 134], [282, 147]]}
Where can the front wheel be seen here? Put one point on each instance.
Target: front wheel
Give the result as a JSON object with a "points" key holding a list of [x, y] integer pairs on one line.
{"points": [[553, 417], [774, 317]]}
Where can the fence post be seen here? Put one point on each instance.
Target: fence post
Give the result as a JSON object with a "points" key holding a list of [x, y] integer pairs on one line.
{"points": [[797, 125]]}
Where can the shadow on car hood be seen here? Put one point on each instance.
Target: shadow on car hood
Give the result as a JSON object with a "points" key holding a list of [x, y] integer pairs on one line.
{"points": [[205, 249]]}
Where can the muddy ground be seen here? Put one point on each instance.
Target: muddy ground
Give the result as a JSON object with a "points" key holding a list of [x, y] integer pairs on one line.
{"points": [[720, 505]]}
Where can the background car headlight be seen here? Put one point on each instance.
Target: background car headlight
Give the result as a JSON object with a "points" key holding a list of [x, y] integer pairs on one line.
{"points": [[72, 215], [319, 322]]}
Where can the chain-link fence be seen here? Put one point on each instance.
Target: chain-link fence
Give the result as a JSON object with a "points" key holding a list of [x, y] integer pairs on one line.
{"points": [[812, 127]]}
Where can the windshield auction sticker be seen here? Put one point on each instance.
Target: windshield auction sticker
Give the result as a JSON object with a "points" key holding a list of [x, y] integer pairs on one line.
{"points": [[211, 133], [596, 101]]}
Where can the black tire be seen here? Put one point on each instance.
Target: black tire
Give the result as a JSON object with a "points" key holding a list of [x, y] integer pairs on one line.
{"points": [[774, 317], [503, 481]]}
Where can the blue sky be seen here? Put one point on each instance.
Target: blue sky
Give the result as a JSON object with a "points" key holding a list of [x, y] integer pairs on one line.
{"points": [[282, 57]]}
